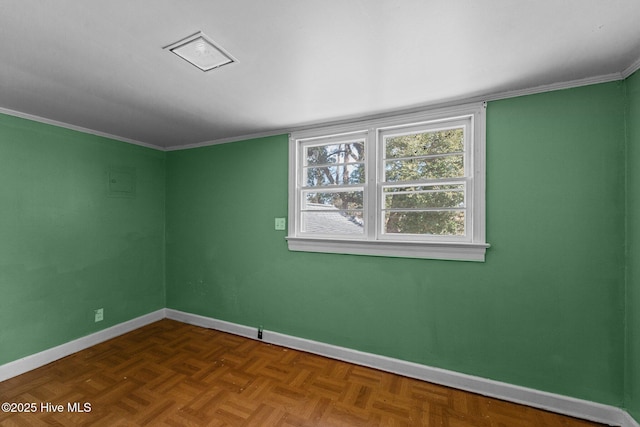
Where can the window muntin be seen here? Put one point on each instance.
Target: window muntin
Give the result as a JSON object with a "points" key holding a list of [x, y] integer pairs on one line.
{"points": [[332, 197], [409, 186], [433, 210], [433, 158]]}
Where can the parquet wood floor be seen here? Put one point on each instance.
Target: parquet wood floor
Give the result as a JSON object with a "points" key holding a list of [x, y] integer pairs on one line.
{"points": [[172, 374]]}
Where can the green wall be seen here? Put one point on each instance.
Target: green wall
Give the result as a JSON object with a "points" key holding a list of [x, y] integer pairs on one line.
{"points": [[546, 310], [632, 349], [67, 244]]}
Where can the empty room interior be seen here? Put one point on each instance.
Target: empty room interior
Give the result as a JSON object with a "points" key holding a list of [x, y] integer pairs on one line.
{"points": [[205, 201]]}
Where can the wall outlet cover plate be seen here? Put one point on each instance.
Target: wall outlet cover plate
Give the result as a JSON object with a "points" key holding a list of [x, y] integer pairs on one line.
{"points": [[281, 223]]}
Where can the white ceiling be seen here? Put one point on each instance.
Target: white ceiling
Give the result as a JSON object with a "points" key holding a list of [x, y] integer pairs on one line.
{"points": [[100, 65]]}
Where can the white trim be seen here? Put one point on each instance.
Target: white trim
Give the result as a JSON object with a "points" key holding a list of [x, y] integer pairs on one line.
{"points": [[635, 66], [628, 421], [425, 114], [606, 78], [238, 138], [579, 408], [64, 125], [489, 97], [555, 86], [408, 249], [211, 323], [535, 398], [471, 247], [28, 363]]}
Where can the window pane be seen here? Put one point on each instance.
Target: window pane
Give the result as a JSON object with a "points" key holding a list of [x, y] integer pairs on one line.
{"points": [[425, 143], [333, 222], [421, 168], [347, 152], [428, 196], [440, 223], [345, 200], [335, 175]]}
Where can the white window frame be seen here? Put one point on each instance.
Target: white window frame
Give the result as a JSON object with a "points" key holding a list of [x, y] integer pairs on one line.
{"points": [[374, 241]]}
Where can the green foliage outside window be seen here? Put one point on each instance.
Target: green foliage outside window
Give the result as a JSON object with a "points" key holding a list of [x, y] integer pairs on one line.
{"points": [[413, 202], [436, 209]]}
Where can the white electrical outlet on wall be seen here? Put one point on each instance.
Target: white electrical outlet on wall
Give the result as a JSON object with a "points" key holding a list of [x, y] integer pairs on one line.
{"points": [[99, 314]]}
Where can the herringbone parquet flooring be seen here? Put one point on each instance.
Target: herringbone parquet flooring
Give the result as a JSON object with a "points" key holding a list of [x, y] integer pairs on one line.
{"points": [[172, 374]]}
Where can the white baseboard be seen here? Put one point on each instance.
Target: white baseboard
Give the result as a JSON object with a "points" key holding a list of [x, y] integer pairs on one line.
{"points": [[579, 408], [28, 363], [629, 421]]}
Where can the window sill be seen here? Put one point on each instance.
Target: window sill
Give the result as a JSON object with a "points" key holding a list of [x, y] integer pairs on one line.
{"points": [[406, 249]]}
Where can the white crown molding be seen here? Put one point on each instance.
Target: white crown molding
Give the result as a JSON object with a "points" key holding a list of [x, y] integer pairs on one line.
{"points": [[635, 66], [451, 103], [64, 125], [28, 363], [489, 97], [566, 405], [227, 140], [606, 78]]}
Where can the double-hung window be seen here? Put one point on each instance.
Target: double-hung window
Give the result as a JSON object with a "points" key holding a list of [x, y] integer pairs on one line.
{"points": [[408, 186]]}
